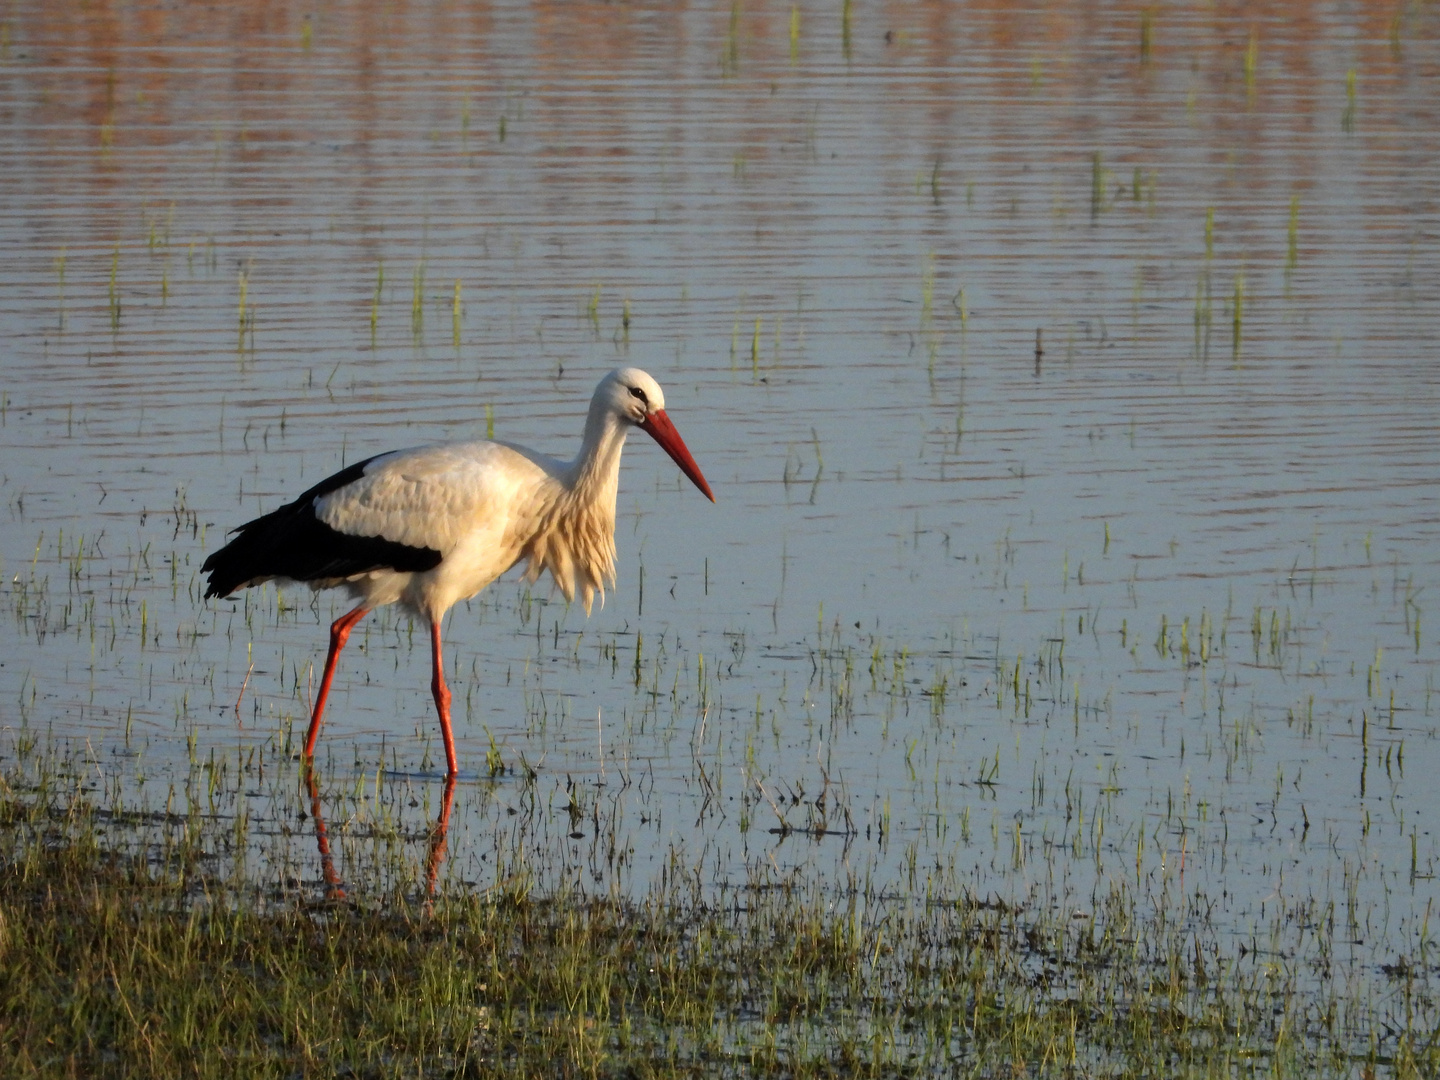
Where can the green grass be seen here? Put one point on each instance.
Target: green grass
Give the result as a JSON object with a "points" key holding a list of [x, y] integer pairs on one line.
{"points": [[158, 944]]}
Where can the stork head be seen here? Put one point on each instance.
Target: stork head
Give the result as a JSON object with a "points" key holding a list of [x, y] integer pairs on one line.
{"points": [[635, 398]]}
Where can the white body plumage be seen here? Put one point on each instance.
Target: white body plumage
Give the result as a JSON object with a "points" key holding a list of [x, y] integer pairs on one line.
{"points": [[484, 506]]}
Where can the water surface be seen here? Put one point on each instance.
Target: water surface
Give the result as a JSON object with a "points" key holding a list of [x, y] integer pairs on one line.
{"points": [[1072, 410]]}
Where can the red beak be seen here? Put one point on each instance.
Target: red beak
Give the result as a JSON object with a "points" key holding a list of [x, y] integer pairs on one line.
{"points": [[658, 426]]}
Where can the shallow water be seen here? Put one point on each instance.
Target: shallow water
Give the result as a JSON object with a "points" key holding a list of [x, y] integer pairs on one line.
{"points": [[1152, 602]]}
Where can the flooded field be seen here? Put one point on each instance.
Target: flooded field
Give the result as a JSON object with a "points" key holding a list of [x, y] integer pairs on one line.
{"points": [[1066, 377]]}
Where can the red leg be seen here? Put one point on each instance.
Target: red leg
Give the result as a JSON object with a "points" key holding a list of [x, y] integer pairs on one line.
{"points": [[442, 698], [339, 634]]}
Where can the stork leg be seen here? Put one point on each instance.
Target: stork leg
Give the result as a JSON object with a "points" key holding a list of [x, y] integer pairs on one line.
{"points": [[339, 634], [442, 698]]}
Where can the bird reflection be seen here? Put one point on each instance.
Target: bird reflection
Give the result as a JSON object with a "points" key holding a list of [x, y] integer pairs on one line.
{"points": [[434, 848], [334, 885]]}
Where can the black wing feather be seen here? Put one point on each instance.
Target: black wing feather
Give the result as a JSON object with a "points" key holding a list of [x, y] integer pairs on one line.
{"points": [[293, 543]]}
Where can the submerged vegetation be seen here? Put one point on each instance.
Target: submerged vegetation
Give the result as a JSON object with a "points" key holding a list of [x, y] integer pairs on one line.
{"points": [[162, 944]]}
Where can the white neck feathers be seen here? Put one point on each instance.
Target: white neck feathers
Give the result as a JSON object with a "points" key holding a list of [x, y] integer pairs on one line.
{"points": [[574, 527]]}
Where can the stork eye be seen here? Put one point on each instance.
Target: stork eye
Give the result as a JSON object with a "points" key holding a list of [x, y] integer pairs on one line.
{"points": [[635, 391]]}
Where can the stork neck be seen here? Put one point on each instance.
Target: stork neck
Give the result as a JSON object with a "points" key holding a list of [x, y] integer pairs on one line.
{"points": [[598, 463]]}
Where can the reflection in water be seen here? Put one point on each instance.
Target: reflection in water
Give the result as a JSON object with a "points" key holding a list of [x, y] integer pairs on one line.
{"points": [[435, 846], [334, 882]]}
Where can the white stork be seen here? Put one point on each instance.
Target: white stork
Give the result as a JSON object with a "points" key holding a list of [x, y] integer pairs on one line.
{"points": [[434, 525]]}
